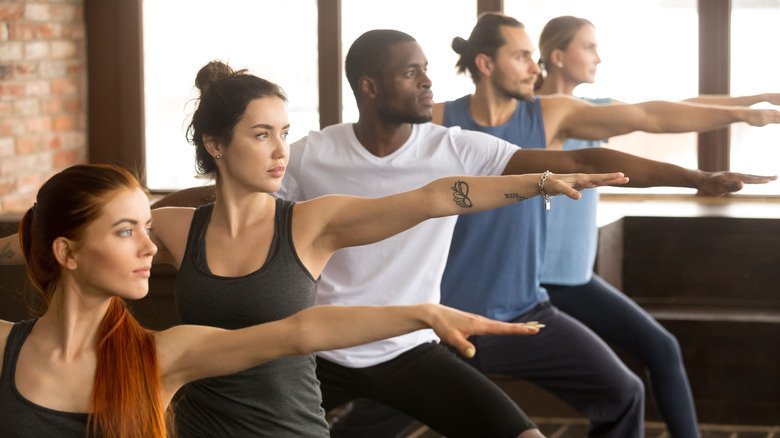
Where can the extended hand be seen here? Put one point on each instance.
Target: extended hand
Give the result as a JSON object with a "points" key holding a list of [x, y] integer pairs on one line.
{"points": [[570, 184], [454, 326], [721, 183], [761, 117]]}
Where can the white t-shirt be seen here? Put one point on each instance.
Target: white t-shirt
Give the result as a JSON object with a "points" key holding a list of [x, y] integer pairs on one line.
{"points": [[405, 268]]}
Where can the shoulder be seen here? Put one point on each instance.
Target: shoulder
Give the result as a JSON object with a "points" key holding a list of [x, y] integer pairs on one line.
{"points": [[5, 330]]}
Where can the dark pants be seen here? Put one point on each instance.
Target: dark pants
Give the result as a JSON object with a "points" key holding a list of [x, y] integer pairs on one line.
{"points": [[432, 385], [567, 359], [622, 323]]}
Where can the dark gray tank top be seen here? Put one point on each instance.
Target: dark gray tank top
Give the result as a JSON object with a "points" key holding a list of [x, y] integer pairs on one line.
{"points": [[278, 398], [20, 417]]}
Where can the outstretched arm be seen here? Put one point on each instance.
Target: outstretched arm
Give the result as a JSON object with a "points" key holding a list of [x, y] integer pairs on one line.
{"points": [[716, 99], [189, 353], [335, 221], [641, 171], [11, 250], [580, 119]]}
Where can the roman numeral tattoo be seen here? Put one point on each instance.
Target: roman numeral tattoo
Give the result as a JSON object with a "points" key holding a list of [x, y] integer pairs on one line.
{"points": [[514, 196]]}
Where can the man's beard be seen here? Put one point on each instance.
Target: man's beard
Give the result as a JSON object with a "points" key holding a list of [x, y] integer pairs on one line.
{"points": [[504, 91], [399, 118]]}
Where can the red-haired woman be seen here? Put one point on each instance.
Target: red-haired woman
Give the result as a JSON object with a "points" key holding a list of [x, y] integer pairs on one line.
{"points": [[87, 368]]}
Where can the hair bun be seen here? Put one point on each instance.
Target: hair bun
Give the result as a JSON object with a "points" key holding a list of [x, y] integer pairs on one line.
{"points": [[459, 45], [210, 73]]}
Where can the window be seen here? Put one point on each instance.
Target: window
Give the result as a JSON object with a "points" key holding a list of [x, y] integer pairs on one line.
{"points": [[639, 62], [753, 71], [426, 22], [274, 40]]}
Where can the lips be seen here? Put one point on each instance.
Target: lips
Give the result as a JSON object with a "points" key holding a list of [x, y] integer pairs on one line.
{"points": [[145, 272], [277, 171], [426, 99]]}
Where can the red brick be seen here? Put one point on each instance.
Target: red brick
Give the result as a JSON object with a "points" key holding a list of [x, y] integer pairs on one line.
{"points": [[6, 109], [34, 31], [12, 51], [36, 50], [36, 12], [73, 31], [51, 106], [54, 141], [64, 12], [39, 88], [12, 127], [27, 145], [25, 70], [73, 104], [6, 146], [65, 158], [53, 69], [30, 183], [61, 49], [38, 125], [73, 139], [11, 11], [27, 108], [65, 86], [6, 187], [64, 123], [12, 91], [18, 202]]}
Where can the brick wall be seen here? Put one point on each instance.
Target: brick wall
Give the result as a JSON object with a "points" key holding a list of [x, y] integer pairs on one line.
{"points": [[42, 95]]}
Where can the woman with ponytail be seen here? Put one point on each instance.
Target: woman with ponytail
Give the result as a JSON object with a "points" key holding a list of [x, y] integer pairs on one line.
{"points": [[87, 368]]}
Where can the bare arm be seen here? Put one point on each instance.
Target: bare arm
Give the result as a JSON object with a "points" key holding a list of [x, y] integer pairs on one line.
{"points": [[587, 121], [189, 353], [716, 99], [641, 171], [335, 222], [11, 250]]}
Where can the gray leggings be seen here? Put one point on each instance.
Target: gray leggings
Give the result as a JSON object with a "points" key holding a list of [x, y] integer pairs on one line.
{"points": [[566, 358]]}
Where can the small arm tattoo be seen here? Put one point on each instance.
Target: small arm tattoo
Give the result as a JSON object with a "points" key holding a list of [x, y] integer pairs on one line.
{"points": [[514, 196], [6, 252], [460, 194]]}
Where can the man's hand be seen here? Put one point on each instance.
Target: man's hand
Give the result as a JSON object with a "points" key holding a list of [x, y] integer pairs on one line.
{"points": [[721, 183]]}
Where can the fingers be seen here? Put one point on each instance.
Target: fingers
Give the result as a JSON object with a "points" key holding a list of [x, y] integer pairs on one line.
{"points": [[757, 179]]}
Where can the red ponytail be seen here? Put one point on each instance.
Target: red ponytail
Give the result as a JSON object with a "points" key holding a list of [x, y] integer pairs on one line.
{"points": [[126, 394]]}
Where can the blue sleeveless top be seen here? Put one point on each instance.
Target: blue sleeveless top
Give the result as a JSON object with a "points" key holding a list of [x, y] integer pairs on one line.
{"points": [[572, 232], [496, 256]]}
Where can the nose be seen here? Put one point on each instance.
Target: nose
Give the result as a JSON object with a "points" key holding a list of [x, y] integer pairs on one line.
{"points": [[598, 58], [425, 80], [535, 69], [148, 247], [281, 148]]}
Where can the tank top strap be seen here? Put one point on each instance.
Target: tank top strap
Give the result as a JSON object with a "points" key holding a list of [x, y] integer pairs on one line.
{"points": [[13, 346], [283, 221]]}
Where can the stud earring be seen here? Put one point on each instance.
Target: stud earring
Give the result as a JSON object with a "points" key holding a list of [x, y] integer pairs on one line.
{"points": [[560, 65], [218, 156]]}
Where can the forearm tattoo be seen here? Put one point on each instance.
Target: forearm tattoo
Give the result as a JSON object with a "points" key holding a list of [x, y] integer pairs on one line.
{"points": [[460, 194], [514, 196], [6, 252]]}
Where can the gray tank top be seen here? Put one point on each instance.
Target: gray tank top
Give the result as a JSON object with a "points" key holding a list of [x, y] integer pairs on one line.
{"points": [[20, 417], [278, 398]]}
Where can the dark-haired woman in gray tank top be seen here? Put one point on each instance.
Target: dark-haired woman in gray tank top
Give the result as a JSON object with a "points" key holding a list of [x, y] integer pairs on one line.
{"points": [[249, 258]]}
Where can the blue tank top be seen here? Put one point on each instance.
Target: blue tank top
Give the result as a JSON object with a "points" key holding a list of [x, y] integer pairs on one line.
{"points": [[496, 256], [572, 232]]}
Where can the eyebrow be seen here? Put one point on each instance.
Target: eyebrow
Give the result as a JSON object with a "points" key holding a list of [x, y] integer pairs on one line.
{"points": [[265, 126], [130, 221]]}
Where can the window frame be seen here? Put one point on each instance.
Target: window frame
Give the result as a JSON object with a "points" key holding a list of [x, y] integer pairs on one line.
{"points": [[115, 70]]}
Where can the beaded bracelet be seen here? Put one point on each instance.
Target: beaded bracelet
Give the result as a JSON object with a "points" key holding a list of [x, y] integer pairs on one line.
{"points": [[547, 197]]}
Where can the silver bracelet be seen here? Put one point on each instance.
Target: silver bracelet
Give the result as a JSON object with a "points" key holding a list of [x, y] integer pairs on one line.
{"points": [[547, 197]]}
